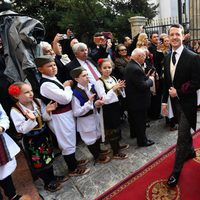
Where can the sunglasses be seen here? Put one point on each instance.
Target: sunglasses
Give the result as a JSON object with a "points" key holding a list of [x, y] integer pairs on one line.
{"points": [[122, 49]]}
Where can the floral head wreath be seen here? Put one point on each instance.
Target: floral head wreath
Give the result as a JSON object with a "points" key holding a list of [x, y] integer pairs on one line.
{"points": [[100, 60], [14, 90]]}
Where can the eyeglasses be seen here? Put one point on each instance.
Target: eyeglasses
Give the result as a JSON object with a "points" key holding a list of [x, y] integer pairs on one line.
{"points": [[122, 49]]}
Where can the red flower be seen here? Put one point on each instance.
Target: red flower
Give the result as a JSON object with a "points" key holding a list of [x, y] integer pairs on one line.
{"points": [[41, 149], [35, 157], [37, 165], [14, 90], [100, 60]]}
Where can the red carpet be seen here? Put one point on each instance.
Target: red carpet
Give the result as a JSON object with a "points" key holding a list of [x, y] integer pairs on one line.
{"points": [[149, 182]]}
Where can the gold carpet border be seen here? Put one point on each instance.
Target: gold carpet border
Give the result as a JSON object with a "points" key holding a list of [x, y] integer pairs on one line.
{"points": [[144, 171], [159, 190], [135, 178], [197, 158]]}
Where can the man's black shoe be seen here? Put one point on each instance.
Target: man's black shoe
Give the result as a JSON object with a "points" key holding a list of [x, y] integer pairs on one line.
{"points": [[147, 143], [172, 180]]}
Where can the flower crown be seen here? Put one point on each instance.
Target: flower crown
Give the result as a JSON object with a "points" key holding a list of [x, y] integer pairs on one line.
{"points": [[14, 90], [100, 60]]}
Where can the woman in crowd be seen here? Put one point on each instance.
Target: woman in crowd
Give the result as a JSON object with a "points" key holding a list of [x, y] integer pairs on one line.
{"points": [[121, 61]]}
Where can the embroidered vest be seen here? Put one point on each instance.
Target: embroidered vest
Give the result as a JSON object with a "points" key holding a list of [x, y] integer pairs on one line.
{"points": [[39, 119], [83, 98], [60, 108]]}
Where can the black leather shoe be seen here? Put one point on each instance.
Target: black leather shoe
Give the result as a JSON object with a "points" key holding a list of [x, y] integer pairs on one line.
{"points": [[147, 143], [172, 180]]}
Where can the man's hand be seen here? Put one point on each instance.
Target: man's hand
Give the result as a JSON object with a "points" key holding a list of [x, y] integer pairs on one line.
{"points": [[164, 110], [172, 92]]}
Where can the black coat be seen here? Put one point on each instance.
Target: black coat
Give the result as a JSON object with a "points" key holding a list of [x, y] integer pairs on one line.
{"points": [[186, 82], [137, 87], [74, 64]]}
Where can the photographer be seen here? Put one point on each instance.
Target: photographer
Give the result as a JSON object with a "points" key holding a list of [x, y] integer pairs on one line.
{"points": [[155, 50], [65, 43], [101, 47]]}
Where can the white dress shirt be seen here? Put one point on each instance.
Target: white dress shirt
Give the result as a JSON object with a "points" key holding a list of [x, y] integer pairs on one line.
{"points": [[90, 76], [177, 56]]}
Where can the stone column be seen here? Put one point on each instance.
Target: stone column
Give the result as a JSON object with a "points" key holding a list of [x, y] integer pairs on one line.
{"points": [[195, 19], [136, 22]]}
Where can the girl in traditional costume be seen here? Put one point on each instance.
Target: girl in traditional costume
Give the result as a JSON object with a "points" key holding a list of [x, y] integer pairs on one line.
{"points": [[29, 115], [109, 89]]}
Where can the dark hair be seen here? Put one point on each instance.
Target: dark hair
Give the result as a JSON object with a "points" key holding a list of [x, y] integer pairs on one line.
{"points": [[117, 49], [154, 32], [177, 26], [98, 34], [124, 38]]}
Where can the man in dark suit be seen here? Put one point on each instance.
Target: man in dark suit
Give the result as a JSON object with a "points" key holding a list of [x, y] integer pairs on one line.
{"points": [[181, 80], [81, 53], [138, 96], [155, 107]]}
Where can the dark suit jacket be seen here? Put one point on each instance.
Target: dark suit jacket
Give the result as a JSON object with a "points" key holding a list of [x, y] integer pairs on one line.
{"points": [[157, 58], [137, 87], [186, 82], [74, 64], [120, 64]]}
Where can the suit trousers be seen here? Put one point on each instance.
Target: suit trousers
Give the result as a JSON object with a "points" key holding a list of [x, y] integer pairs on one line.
{"points": [[137, 123], [184, 142]]}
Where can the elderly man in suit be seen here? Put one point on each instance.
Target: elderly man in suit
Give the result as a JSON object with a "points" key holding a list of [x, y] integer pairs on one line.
{"points": [[138, 96], [181, 79], [81, 53]]}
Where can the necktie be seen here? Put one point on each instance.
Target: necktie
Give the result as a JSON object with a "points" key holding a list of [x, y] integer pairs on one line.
{"points": [[174, 58], [92, 70]]}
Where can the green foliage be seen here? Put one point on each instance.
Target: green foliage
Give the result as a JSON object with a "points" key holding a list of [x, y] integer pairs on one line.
{"points": [[86, 16]]}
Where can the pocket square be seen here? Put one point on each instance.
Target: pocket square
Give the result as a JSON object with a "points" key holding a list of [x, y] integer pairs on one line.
{"points": [[185, 86]]}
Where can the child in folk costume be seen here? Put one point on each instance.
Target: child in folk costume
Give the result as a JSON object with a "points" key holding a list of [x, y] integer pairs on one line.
{"points": [[109, 89], [63, 122], [8, 151], [28, 116], [84, 106]]}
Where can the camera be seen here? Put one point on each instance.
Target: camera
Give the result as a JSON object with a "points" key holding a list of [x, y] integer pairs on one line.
{"points": [[150, 70], [64, 36]]}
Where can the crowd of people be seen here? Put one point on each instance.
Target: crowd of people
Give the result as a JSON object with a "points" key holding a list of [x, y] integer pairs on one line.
{"points": [[86, 91]]}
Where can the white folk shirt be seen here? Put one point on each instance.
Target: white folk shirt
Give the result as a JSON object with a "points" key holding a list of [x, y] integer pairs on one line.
{"points": [[8, 168], [63, 124], [110, 96], [88, 126], [23, 125]]}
